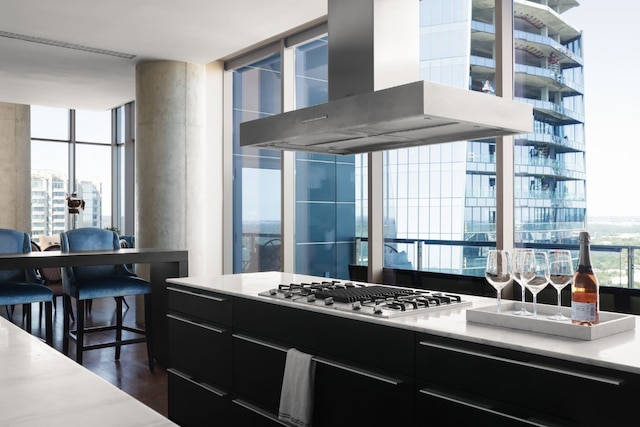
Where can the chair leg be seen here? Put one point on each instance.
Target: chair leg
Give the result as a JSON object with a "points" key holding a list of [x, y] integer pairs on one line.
{"points": [[79, 330], [118, 325], [66, 299], [48, 322], [26, 309], [10, 312], [66, 304], [149, 331]]}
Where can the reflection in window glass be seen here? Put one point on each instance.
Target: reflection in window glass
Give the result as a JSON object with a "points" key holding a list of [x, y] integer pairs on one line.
{"points": [[256, 185], [49, 123], [93, 126], [49, 166]]}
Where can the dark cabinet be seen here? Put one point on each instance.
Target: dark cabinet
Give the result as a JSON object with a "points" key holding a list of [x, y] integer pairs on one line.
{"points": [[228, 355], [200, 356], [194, 403], [521, 387]]}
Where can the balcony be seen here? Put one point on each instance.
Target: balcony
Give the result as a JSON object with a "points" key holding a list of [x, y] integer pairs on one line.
{"points": [[614, 265], [562, 145], [554, 113]]}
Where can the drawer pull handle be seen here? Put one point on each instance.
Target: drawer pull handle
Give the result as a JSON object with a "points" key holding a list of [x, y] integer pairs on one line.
{"points": [[259, 411], [199, 325], [577, 374], [479, 407], [207, 387], [371, 375], [367, 374], [195, 294], [260, 342]]}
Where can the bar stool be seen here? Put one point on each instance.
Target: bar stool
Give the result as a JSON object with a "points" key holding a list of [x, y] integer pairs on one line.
{"points": [[101, 281]]}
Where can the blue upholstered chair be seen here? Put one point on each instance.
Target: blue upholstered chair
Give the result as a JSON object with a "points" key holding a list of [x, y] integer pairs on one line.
{"points": [[22, 287], [102, 281]]}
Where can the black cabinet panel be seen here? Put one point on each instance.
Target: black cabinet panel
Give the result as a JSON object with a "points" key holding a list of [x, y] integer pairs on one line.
{"points": [[372, 345], [248, 415], [196, 404], [345, 396], [200, 349], [204, 305], [526, 380], [258, 369]]}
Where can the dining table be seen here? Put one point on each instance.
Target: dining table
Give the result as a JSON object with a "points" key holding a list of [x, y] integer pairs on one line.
{"points": [[163, 264]]}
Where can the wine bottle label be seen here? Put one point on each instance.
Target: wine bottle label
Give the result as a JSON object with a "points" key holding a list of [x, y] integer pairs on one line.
{"points": [[583, 311]]}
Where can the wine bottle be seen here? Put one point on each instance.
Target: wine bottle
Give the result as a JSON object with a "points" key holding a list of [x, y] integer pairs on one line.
{"points": [[585, 295]]}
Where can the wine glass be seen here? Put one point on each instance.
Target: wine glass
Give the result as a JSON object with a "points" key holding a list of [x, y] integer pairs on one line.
{"points": [[522, 262], [560, 275], [537, 275], [498, 271]]}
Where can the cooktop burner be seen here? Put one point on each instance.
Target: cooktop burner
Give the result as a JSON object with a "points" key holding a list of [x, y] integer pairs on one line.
{"points": [[374, 300]]}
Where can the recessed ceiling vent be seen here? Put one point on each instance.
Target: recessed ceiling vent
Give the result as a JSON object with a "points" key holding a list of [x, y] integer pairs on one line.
{"points": [[376, 100]]}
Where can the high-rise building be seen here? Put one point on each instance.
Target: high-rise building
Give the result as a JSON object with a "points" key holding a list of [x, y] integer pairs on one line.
{"points": [[447, 192], [49, 215]]}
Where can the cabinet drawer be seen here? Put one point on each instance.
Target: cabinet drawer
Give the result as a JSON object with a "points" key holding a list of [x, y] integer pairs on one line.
{"points": [[346, 396], [196, 404], [456, 409], [525, 380], [258, 368], [377, 346], [200, 349], [247, 414], [201, 304]]}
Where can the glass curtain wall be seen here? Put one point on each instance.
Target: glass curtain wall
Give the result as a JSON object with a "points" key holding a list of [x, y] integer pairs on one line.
{"points": [[256, 172], [324, 187], [71, 151]]}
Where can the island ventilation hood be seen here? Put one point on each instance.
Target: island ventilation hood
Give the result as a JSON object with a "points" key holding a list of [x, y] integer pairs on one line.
{"points": [[376, 101]]}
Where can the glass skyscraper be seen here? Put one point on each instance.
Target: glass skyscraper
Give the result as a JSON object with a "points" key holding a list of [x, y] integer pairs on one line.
{"points": [[446, 192]]}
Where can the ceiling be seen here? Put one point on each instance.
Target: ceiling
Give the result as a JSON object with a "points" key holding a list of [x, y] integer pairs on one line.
{"points": [[197, 31]]}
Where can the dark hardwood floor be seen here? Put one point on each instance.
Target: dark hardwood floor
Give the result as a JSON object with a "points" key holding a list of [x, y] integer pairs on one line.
{"points": [[131, 373]]}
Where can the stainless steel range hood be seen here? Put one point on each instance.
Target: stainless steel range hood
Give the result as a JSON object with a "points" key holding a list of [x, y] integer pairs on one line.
{"points": [[369, 108]]}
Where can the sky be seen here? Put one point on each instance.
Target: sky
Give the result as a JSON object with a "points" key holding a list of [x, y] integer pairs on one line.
{"points": [[612, 104]]}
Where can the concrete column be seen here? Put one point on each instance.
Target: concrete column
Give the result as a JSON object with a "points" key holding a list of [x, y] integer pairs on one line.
{"points": [[15, 166], [169, 152]]}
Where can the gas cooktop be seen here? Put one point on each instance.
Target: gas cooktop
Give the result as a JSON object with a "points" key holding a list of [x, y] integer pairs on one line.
{"points": [[374, 300]]}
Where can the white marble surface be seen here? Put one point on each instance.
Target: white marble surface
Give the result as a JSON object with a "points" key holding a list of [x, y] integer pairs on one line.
{"points": [[620, 351], [39, 386]]}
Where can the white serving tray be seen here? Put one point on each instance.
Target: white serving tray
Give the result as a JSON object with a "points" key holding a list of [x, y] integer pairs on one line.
{"points": [[610, 323]]}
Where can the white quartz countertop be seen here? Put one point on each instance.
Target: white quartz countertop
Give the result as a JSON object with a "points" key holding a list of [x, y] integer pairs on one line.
{"points": [[40, 386], [620, 351]]}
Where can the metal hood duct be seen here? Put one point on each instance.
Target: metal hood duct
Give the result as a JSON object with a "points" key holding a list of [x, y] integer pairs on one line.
{"points": [[376, 100]]}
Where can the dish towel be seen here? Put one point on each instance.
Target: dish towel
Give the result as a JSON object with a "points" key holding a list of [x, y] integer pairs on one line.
{"points": [[296, 397]]}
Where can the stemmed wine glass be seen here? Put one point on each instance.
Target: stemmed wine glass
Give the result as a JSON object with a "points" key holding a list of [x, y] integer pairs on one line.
{"points": [[560, 275], [498, 271], [538, 277], [522, 262]]}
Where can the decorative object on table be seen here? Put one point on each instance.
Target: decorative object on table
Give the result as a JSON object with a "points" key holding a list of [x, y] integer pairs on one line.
{"points": [[74, 204], [585, 289], [498, 271]]}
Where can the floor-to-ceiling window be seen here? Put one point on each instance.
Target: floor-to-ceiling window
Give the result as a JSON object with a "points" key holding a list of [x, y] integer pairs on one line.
{"points": [[71, 152], [324, 184], [256, 172]]}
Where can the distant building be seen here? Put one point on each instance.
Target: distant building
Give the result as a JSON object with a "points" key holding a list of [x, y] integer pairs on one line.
{"points": [[49, 214], [447, 191]]}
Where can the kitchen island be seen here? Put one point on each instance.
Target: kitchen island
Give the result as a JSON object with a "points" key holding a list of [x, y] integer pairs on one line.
{"points": [[418, 369]]}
